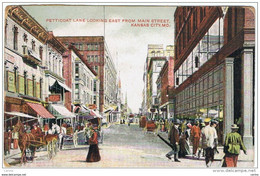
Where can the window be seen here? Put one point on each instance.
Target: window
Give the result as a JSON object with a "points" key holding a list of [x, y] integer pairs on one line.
{"points": [[40, 52], [201, 14], [25, 38], [96, 69], [33, 86], [194, 20], [41, 88], [6, 25], [77, 70], [95, 86], [33, 45], [77, 93], [25, 83], [96, 46], [80, 46], [15, 41], [96, 58], [88, 58]]}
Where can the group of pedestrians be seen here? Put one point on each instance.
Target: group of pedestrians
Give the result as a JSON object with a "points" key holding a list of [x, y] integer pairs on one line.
{"points": [[204, 139]]}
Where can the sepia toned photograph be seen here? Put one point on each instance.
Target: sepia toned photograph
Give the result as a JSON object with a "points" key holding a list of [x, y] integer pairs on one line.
{"points": [[129, 86]]}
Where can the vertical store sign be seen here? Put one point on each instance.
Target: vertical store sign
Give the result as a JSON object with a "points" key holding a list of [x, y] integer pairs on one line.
{"points": [[11, 82], [38, 91], [21, 85], [30, 87]]}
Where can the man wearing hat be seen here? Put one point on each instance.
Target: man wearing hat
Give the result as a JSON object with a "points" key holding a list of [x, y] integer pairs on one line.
{"points": [[208, 141], [232, 146], [174, 140]]}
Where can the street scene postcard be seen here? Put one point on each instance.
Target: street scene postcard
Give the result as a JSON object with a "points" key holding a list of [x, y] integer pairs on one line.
{"points": [[97, 85]]}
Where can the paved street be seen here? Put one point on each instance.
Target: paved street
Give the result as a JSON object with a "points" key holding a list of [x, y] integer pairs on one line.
{"points": [[123, 146]]}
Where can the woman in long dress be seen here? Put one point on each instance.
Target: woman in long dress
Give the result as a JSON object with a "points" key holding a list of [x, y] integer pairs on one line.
{"points": [[184, 145], [93, 152]]}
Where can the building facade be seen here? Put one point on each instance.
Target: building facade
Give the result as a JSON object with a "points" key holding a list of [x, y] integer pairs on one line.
{"points": [[24, 77], [95, 52], [214, 66], [86, 87], [165, 83]]}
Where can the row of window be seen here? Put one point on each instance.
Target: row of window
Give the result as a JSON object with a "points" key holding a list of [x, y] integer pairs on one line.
{"points": [[25, 39], [22, 85], [86, 46], [206, 92], [208, 46], [93, 58], [188, 29]]}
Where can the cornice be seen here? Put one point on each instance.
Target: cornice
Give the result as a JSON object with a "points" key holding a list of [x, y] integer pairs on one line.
{"points": [[22, 18]]}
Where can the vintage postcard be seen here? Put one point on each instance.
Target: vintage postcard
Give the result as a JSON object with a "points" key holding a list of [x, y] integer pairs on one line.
{"points": [[113, 85]]}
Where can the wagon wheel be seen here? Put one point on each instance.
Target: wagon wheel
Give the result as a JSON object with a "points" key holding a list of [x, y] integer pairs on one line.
{"points": [[49, 149], [54, 146]]}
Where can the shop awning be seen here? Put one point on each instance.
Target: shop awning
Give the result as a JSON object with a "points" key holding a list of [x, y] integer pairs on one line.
{"points": [[62, 85], [40, 110], [61, 111], [19, 114]]}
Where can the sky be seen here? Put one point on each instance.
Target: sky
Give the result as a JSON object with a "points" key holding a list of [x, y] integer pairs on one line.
{"points": [[127, 38]]}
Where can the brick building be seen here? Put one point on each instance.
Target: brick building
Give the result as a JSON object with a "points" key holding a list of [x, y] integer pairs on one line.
{"points": [[214, 66], [165, 83], [96, 54]]}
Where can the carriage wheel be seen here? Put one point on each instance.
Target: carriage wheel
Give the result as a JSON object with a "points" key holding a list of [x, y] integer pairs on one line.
{"points": [[49, 149], [54, 146]]}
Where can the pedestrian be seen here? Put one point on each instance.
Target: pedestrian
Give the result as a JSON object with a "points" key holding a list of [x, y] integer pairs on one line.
{"points": [[93, 152], [75, 138], [202, 126], [184, 145], [63, 132], [36, 130], [195, 137], [174, 140], [46, 128], [209, 140], [232, 146], [15, 136]]}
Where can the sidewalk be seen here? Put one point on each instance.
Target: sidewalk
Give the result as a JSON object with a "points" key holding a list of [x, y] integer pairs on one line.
{"points": [[219, 156]]}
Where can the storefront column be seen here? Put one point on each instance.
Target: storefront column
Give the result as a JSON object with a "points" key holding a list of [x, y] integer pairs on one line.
{"points": [[229, 95], [247, 98]]}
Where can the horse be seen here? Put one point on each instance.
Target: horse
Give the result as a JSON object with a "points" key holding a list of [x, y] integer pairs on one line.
{"points": [[31, 141], [24, 141]]}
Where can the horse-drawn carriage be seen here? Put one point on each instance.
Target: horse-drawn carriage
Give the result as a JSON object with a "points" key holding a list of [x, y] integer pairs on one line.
{"points": [[29, 142]]}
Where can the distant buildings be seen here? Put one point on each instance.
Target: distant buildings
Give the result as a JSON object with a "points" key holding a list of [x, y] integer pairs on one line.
{"points": [[95, 52], [154, 63]]}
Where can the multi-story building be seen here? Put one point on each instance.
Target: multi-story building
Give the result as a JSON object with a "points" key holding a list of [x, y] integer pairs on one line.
{"points": [[86, 87], [95, 52], [214, 66], [149, 78], [165, 83], [24, 55], [153, 71]]}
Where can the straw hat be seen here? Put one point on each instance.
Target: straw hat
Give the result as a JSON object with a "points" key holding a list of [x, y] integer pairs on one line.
{"points": [[234, 126], [207, 120]]}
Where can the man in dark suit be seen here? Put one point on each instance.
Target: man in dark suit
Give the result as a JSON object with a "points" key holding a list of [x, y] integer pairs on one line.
{"points": [[174, 140]]}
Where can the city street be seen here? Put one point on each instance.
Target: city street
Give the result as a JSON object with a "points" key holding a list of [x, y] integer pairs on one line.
{"points": [[123, 146]]}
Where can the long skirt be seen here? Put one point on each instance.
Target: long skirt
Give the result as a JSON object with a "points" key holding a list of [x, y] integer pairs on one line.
{"points": [[230, 160], [195, 145], [184, 148], [93, 154]]}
